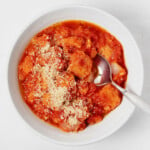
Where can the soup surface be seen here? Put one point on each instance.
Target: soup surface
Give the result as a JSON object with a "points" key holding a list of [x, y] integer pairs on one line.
{"points": [[56, 74]]}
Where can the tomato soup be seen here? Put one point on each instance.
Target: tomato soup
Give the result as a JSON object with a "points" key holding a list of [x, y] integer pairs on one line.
{"points": [[56, 74]]}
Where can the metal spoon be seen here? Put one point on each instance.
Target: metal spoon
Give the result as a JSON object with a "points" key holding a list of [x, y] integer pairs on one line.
{"points": [[105, 76]]}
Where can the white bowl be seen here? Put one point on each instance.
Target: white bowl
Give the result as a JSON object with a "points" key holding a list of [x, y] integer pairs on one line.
{"points": [[116, 118]]}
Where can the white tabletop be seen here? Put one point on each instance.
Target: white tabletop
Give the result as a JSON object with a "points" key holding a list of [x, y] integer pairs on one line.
{"points": [[14, 16]]}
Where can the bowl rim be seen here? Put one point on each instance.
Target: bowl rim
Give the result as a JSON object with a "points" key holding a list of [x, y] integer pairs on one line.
{"points": [[34, 19]]}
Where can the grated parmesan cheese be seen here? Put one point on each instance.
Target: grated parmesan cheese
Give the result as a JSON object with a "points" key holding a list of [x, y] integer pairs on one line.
{"points": [[59, 96], [75, 111], [45, 48], [49, 72], [72, 120]]}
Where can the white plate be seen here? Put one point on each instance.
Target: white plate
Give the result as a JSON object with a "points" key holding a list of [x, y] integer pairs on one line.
{"points": [[116, 118]]}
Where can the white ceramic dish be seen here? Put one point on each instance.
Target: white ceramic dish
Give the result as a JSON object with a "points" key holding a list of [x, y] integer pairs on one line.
{"points": [[116, 118]]}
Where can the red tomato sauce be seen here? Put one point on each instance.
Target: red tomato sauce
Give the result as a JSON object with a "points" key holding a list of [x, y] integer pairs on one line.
{"points": [[56, 74]]}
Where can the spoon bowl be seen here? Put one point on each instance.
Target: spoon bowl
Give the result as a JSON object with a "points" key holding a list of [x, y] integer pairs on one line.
{"points": [[104, 71]]}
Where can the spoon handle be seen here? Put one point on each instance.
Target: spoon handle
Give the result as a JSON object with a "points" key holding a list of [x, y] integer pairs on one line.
{"points": [[132, 97]]}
